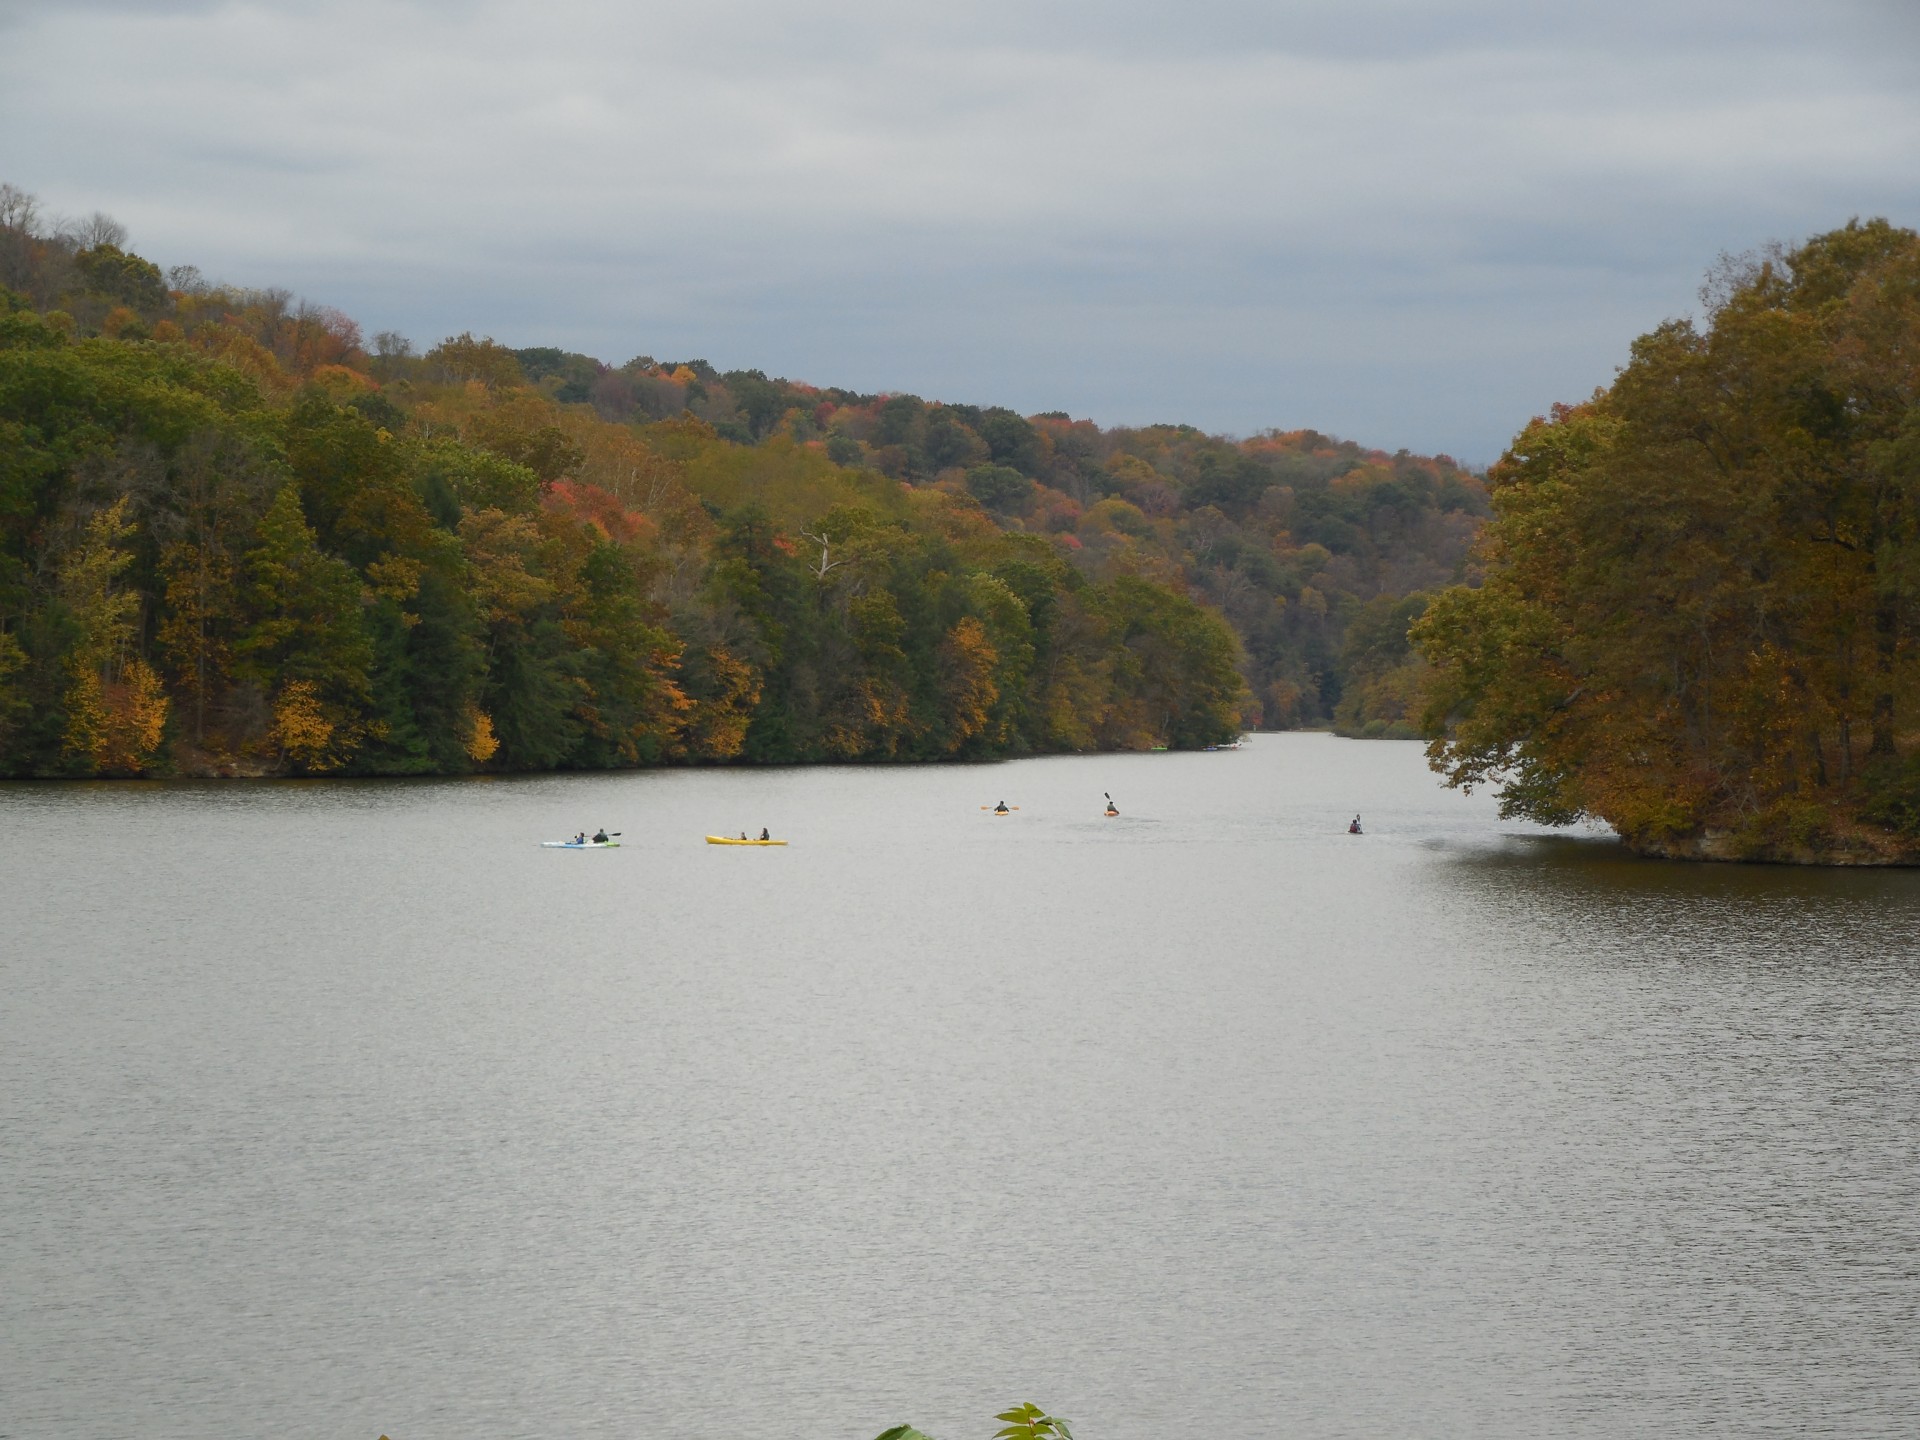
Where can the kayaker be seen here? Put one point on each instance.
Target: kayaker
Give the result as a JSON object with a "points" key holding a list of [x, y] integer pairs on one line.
{"points": [[1001, 808], [1354, 828], [764, 835], [581, 838], [600, 836], [743, 834], [1112, 809]]}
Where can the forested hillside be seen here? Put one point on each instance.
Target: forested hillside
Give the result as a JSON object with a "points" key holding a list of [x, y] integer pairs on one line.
{"points": [[1319, 552], [1700, 615], [237, 538]]}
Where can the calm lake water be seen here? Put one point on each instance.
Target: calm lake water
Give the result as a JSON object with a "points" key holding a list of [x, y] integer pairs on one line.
{"points": [[328, 1110]]}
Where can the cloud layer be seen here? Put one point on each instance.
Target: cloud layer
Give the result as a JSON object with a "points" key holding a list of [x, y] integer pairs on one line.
{"points": [[1411, 223]]}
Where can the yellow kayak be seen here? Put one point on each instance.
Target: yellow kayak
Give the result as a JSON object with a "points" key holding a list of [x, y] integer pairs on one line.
{"points": [[732, 840]]}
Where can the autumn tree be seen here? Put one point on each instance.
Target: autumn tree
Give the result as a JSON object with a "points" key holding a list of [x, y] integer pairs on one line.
{"points": [[115, 708], [1699, 614]]}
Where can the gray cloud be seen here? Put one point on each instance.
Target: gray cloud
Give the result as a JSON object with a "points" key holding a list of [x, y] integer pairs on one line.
{"points": [[1413, 223]]}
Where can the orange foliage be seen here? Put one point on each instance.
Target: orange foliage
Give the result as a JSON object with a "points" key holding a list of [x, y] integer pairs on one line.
{"points": [[967, 662]]}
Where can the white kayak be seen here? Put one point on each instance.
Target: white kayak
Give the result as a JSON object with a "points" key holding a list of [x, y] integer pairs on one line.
{"points": [[578, 845]]}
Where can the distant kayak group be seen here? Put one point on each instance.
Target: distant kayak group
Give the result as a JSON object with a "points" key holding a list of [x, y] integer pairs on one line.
{"points": [[603, 839]]}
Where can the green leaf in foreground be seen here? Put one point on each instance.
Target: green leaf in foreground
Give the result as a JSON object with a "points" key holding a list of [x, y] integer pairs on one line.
{"points": [[1030, 1422]]}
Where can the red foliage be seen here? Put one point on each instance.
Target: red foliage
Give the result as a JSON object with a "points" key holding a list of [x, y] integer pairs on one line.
{"points": [[590, 502]]}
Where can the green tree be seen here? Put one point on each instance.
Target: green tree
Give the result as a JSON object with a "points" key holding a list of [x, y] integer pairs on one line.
{"points": [[304, 641], [1000, 488], [113, 273], [461, 357]]}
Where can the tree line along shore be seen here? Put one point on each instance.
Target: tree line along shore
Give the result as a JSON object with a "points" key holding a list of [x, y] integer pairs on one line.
{"points": [[238, 538]]}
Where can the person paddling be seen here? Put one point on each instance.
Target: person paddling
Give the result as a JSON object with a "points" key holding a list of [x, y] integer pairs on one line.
{"points": [[1001, 808], [1113, 810], [1354, 828], [600, 836], [764, 835]]}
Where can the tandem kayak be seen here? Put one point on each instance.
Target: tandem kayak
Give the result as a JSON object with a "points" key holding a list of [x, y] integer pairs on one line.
{"points": [[730, 840], [577, 845]]}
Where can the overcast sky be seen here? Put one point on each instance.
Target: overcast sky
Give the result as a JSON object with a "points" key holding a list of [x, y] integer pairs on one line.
{"points": [[1405, 223]]}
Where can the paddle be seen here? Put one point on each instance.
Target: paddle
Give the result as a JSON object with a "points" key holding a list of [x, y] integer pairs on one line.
{"points": [[990, 807]]}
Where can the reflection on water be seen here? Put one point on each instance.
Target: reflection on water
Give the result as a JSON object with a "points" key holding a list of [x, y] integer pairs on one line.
{"points": [[343, 1108], [1592, 893]]}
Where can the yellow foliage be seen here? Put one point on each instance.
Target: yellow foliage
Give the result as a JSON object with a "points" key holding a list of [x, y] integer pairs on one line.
{"points": [[1114, 514], [87, 583], [1132, 470], [136, 720], [118, 726], [116, 708], [301, 729], [245, 355], [794, 484], [481, 742], [880, 715], [499, 546], [967, 662], [718, 727], [396, 577], [86, 731], [1077, 705], [341, 383]]}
